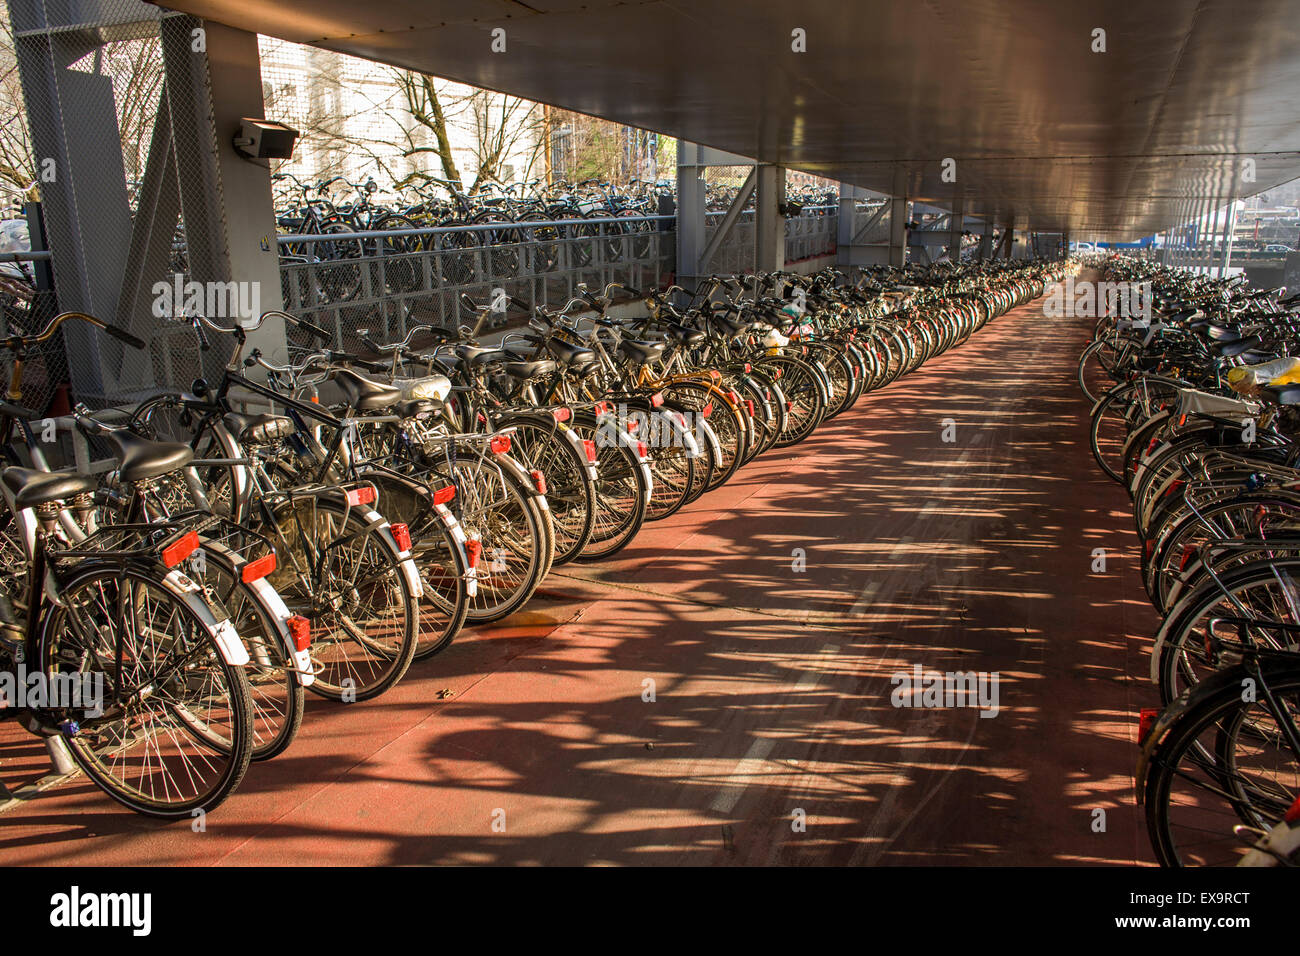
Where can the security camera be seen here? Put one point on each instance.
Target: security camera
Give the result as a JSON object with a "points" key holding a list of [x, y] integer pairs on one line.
{"points": [[260, 140]]}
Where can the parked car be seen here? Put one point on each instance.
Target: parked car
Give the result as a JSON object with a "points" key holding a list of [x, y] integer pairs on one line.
{"points": [[1277, 247]]}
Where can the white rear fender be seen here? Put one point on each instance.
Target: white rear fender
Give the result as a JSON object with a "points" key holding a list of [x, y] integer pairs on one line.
{"points": [[406, 561], [223, 632]]}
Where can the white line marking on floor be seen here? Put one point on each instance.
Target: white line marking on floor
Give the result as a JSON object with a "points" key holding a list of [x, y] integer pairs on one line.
{"points": [[759, 750], [864, 599], [727, 799]]}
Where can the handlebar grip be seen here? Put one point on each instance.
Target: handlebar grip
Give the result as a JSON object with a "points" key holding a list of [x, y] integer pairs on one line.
{"points": [[204, 344], [124, 336], [86, 423], [520, 303], [18, 411], [315, 330]]}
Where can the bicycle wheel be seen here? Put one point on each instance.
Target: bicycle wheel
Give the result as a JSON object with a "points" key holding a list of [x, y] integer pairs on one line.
{"points": [[337, 570], [622, 492], [805, 406], [175, 735], [1224, 762], [495, 511]]}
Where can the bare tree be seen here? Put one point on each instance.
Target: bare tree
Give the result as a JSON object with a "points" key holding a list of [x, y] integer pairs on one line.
{"points": [[424, 106], [17, 165], [503, 125]]}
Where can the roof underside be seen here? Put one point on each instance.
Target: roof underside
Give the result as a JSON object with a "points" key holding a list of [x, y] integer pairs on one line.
{"points": [[1042, 129]]}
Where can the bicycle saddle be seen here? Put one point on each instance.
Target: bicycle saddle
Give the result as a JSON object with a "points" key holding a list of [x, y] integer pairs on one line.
{"points": [[641, 351], [258, 429], [474, 356], [429, 387], [31, 488], [1239, 346], [684, 333], [567, 354], [364, 395], [142, 458], [527, 370], [417, 407], [1283, 395]]}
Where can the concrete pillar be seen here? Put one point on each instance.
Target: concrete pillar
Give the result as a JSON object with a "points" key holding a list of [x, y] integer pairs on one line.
{"points": [[986, 239]]}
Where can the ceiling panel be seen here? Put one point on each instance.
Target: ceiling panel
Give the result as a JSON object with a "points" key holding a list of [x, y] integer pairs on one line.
{"points": [[1042, 129]]}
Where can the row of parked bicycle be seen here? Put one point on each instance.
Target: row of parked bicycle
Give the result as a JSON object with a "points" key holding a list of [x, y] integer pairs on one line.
{"points": [[318, 524], [1195, 413]]}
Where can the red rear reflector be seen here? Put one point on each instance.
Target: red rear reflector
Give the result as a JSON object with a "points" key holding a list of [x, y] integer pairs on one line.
{"points": [[632, 426], [444, 494], [776, 373], [735, 398], [707, 410], [300, 632], [482, 419], [1189, 552], [256, 570], [178, 551], [749, 403], [1293, 814], [601, 408], [473, 550], [589, 447], [1152, 447], [560, 414], [714, 374], [500, 445], [361, 496], [748, 367], [643, 449], [1146, 720], [402, 535], [539, 480], [656, 399], [1182, 420]]}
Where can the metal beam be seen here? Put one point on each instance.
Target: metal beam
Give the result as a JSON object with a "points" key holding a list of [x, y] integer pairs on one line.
{"points": [[729, 219], [955, 223], [769, 224], [229, 214], [690, 215]]}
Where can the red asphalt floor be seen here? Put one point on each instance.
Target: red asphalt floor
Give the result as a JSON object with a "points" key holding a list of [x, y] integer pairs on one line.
{"points": [[534, 742]]}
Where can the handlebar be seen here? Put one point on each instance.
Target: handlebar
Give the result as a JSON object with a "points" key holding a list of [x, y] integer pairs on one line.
{"points": [[17, 342]]}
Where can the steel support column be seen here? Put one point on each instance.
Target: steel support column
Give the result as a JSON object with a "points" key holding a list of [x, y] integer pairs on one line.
{"points": [[1226, 262], [226, 199], [87, 212], [769, 234], [898, 231], [955, 228], [692, 237], [986, 239]]}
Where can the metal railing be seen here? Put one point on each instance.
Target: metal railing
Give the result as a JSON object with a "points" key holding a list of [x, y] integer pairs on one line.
{"points": [[812, 233], [386, 280]]}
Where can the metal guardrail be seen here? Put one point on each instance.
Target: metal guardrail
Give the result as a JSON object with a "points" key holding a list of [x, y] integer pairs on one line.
{"points": [[387, 280]]}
